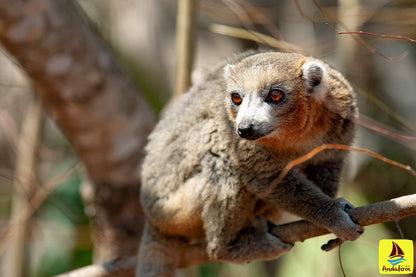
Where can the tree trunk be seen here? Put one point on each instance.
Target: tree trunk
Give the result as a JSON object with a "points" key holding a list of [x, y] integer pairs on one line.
{"points": [[95, 103]]}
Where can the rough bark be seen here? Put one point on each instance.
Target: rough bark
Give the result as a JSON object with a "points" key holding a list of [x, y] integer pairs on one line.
{"points": [[95, 103]]}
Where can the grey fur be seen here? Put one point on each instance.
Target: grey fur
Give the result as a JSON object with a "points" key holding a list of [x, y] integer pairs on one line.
{"points": [[203, 185]]}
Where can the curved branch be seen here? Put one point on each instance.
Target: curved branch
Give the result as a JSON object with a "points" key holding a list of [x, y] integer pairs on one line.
{"points": [[386, 211], [391, 210]]}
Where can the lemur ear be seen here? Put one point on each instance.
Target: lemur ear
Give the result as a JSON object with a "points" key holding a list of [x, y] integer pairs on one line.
{"points": [[227, 70], [313, 72]]}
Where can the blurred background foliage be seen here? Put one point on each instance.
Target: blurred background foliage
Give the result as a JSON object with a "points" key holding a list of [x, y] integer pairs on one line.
{"points": [[142, 34]]}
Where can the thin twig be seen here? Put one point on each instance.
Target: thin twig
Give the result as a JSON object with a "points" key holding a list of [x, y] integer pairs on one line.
{"points": [[267, 23], [340, 260], [399, 229], [370, 124], [240, 13], [314, 22], [369, 34], [245, 19], [323, 147], [359, 39], [35, 202], [254, 36], [391, 112]]}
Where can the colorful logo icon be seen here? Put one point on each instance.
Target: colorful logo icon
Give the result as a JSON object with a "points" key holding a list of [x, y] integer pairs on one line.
{"points": [[395, 256]]}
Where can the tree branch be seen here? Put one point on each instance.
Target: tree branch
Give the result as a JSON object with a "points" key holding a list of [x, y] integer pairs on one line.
{"points": [[95, 103], [386, 211], [390, 210]]}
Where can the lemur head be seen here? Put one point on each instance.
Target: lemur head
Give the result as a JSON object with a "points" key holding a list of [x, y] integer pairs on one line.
{"points": [[285, 97]]}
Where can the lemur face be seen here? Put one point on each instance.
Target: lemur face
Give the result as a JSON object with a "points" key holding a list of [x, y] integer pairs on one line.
{"points": [[274, 95]]}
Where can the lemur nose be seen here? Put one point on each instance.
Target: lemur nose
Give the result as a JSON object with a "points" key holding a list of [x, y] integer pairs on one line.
{"points": [[246, 131]]}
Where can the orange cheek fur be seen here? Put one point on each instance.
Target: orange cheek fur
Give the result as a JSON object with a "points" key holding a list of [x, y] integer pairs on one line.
{"points": [[309, 121], [320, 119]]}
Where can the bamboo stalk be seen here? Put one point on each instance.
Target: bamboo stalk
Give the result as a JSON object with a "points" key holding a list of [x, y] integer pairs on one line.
{"points": [[185, 44]]}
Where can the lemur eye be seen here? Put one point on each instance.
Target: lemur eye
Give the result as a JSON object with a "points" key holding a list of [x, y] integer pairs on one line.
{"points": [[236, 98], [275, 96]]}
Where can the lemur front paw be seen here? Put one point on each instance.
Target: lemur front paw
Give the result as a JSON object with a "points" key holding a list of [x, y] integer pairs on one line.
{"points": [[342, 225]]}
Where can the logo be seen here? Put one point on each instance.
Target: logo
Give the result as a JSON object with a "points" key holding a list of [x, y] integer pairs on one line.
{"points": [[395, 256]]}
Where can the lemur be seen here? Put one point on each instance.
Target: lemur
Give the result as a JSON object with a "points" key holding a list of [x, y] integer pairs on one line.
{"points": [[209, 187]]}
